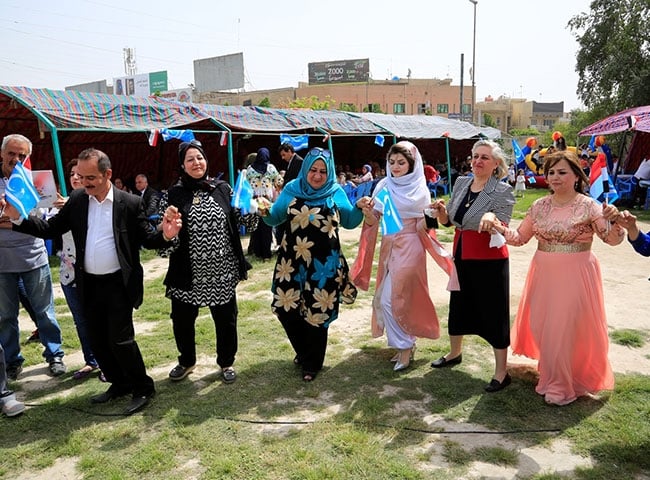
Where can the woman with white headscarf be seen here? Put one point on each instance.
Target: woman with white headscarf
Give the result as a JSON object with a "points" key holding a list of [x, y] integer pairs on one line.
{"points": [[402, 306]]}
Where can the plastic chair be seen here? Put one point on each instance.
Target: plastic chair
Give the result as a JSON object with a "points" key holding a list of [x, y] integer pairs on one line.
{"points": [[434, 186], [625, 188]]}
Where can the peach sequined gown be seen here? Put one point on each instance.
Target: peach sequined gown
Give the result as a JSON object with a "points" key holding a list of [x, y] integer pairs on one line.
{"points": [[561, 316]]}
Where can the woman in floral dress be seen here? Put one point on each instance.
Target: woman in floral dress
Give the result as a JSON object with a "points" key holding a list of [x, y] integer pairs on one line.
{"points": [[311, 275]]}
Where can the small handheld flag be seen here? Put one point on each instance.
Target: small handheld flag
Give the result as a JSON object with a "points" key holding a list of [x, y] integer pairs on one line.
{"points": [[243, 196], [379, 140], [600, 185], [20, 191], [391, 222], [519, 155]]}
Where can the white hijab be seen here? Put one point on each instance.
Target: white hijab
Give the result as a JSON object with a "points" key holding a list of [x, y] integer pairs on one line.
{"points": [[409, 192]]}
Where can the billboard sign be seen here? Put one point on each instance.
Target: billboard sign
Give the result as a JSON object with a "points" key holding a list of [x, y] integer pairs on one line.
{"points": [[141, 85], [340, 71], [180, 95], [219, 73]]}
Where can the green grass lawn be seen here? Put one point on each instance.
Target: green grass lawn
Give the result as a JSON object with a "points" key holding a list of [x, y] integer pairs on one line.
{"points": [[357, 420]]}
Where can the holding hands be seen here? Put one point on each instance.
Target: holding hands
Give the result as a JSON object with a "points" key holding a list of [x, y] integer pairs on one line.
{"points": [[625, 219], [171, 223], [366, 205], [490, 223]]}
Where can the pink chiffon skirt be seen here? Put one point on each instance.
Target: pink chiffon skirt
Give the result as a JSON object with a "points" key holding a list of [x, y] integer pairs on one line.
{"points": [[561, 322]]}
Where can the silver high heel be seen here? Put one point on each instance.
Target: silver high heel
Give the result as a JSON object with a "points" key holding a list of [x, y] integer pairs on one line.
{"points": [[403, 366]]}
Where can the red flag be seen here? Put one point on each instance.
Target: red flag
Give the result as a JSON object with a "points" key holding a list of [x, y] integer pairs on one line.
{"points": [[596, 167], [27, 163], [224, 139]]}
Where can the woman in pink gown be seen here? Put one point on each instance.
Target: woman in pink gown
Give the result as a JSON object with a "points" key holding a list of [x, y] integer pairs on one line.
{"points": [[561, 316]]}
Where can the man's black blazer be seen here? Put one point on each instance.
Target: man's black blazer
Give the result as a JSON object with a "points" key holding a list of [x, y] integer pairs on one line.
{"points": [[150, 199], [130, 228]]}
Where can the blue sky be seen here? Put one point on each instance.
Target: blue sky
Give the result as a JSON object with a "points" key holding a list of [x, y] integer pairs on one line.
{"points": [[523, 48]]}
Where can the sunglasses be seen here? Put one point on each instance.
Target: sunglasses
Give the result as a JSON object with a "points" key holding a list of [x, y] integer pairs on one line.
{"points": [[319, 152]]}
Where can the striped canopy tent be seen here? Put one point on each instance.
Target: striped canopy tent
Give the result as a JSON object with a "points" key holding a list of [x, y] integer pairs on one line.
{"points": [[635, 124], [62, 123]]}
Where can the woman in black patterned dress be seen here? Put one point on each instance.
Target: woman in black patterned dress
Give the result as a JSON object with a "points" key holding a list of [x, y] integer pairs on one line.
{"points": [[311, 275], [206, 261]]}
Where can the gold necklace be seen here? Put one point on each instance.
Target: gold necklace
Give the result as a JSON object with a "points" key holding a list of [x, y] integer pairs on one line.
{"points": [[470, 199]]}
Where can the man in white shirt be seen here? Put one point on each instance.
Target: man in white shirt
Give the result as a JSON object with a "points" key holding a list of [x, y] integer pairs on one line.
{"points": [[108, 227]]}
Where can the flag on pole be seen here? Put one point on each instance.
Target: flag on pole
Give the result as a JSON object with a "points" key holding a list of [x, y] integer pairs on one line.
{"points": [[592, 143], [631, 121], [182, 135], [243, 196], [153, 137], [379, 140], [298, 142], [391, 222], [601, 187], [20, 191], [519, 155]]}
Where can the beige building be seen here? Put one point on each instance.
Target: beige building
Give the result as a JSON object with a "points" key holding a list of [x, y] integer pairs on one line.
{"points": [[406, 96], [509, 113]]}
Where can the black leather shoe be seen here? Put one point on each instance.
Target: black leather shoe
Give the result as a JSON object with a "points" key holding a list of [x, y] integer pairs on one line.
{"points": [[495, 385], [107, 396], [137, 403], [443, 362]]}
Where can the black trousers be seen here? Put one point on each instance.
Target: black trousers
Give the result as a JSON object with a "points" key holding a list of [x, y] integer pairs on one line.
{"points": [[109, 314], [183, 317], [309, 342]]}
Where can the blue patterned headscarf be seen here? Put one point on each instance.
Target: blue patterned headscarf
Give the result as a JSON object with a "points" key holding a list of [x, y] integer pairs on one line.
{"points": [[299, 187]]}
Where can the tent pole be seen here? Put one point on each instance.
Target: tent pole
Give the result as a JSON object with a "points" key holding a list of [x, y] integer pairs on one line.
{"points": [[448, 164], [231, 164]]}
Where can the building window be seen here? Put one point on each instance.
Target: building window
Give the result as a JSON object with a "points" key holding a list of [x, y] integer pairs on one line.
{"points": [[422, 108], [443, 108], [247, 103], [467, 108], [399, 108], [549, 123]]}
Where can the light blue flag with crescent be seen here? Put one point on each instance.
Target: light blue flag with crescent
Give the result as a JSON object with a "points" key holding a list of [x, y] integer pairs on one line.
{"points": [[391, 222], [243, 193], [592, 143], [20, 190], [298, 142], [519, 155], [182, 135]]}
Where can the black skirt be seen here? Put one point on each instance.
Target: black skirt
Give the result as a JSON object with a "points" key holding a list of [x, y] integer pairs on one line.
{"points": [[482, 306]]}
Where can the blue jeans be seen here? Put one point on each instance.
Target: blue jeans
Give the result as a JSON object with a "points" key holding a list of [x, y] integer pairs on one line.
{"points": [[38, 286], [76, 308]]}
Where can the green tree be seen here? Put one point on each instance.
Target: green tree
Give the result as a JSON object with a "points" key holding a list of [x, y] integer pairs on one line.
{"points": [[376, 108], [265, 102], [613, 60], [524, 132], [313, 103], [348, 107], [488, 121]]}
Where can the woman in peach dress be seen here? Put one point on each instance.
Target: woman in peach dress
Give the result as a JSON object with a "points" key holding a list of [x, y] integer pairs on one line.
{"points": [[561, 316]]}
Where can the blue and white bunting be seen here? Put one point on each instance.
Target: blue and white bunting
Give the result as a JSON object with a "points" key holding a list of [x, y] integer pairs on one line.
{"points": [[298, 142]]}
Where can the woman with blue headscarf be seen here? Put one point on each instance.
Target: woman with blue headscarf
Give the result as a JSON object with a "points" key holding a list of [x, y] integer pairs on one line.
{"points": [[311, 275]]}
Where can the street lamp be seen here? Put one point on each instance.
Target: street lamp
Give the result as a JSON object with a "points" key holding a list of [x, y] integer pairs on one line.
{"points": [[474, 63]]}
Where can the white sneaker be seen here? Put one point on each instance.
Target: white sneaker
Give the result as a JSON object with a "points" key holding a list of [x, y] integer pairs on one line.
{"points": [[10, 406]]}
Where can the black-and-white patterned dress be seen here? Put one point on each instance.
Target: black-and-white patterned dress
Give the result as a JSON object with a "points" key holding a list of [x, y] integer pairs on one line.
{"points": [[212, 259]]}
